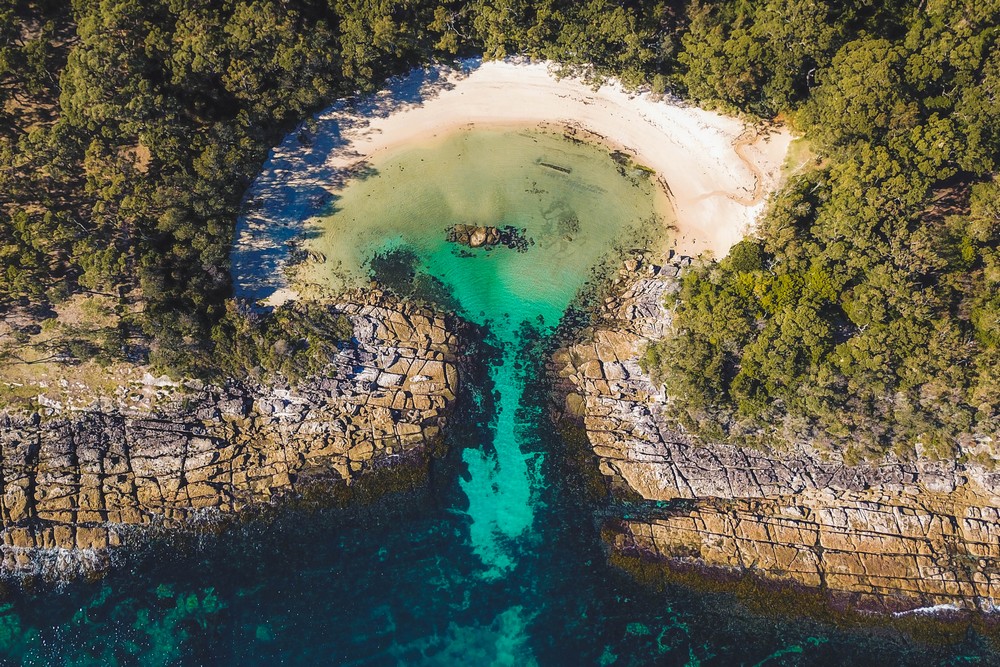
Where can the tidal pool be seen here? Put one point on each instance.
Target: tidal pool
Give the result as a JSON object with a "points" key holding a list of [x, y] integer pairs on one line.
{"points": [[499, 561]]}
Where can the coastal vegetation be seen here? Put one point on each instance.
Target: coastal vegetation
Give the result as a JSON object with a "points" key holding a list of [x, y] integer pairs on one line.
{"points": [[865, 310], [129, 132]]}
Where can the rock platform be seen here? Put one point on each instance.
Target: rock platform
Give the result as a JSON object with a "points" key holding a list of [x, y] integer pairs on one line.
{"points": [[890, 536], [77, 484]]}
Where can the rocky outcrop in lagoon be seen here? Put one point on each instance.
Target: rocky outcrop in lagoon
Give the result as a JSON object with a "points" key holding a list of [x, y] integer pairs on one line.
{"points": [[890, 535], [473, 236], [77, 484]]}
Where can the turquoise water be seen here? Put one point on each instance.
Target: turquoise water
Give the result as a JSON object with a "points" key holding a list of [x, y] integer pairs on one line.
{"points": [[499, 560], [573, 202]]}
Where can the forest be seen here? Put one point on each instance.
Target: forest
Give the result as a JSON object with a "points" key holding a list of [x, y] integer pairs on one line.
{"points": [[864, 311], [131, 129], [865, 314]]}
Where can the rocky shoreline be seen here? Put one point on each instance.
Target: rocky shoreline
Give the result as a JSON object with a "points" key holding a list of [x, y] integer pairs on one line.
{"points": [[888, 536], [78, 484]]}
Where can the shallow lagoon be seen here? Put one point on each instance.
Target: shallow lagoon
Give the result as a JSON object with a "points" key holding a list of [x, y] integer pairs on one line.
{"points": [[499, 562], [573, 200], [574, 204]]}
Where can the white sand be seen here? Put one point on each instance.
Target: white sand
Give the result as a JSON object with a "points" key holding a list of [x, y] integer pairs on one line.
{"points": [[717, 169]]}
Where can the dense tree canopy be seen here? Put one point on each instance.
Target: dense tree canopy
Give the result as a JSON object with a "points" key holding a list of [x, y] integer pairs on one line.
{"points": [[865, 311], [129, 130]]}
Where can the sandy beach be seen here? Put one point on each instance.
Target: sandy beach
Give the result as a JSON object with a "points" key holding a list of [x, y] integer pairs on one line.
{"points": [[717, 170]]}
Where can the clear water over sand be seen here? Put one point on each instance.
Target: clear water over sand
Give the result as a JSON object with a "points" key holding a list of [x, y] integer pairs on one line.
{"points": [[574, 201], [575, 204]]}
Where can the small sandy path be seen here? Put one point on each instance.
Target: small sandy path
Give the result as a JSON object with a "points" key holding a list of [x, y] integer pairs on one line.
{"points": [[716, 169]]}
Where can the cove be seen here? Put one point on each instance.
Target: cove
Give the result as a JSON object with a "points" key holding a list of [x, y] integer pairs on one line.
{"points": [[501, 562], [572, 202]]}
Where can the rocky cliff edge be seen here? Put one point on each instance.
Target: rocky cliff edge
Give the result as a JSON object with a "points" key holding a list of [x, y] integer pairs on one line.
{"points": [[889, 536], [78, 483]]}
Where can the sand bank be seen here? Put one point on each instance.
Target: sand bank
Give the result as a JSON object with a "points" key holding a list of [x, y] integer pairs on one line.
{"points": [[717, 170]]}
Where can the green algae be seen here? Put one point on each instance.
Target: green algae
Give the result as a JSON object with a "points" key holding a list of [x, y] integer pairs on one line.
{"points": [[501, 643], [14, 638], [156, 633]]}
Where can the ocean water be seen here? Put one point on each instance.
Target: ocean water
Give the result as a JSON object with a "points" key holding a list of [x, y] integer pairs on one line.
{"points": [[499, 560]]}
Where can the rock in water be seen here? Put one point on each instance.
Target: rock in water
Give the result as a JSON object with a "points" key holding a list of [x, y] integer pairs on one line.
{"points": [[890, 536], [478, 237], [474, 236], [79, 483]]}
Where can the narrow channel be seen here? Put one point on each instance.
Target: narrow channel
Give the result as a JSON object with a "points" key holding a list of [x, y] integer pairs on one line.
{"points": [[500, 564], [567, 202]]}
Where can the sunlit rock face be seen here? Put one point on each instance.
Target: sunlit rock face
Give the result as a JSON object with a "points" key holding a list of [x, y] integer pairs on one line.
{"points": [[506, 225], [869, 550], [892, 536], [547, 209], [79, 484]]}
